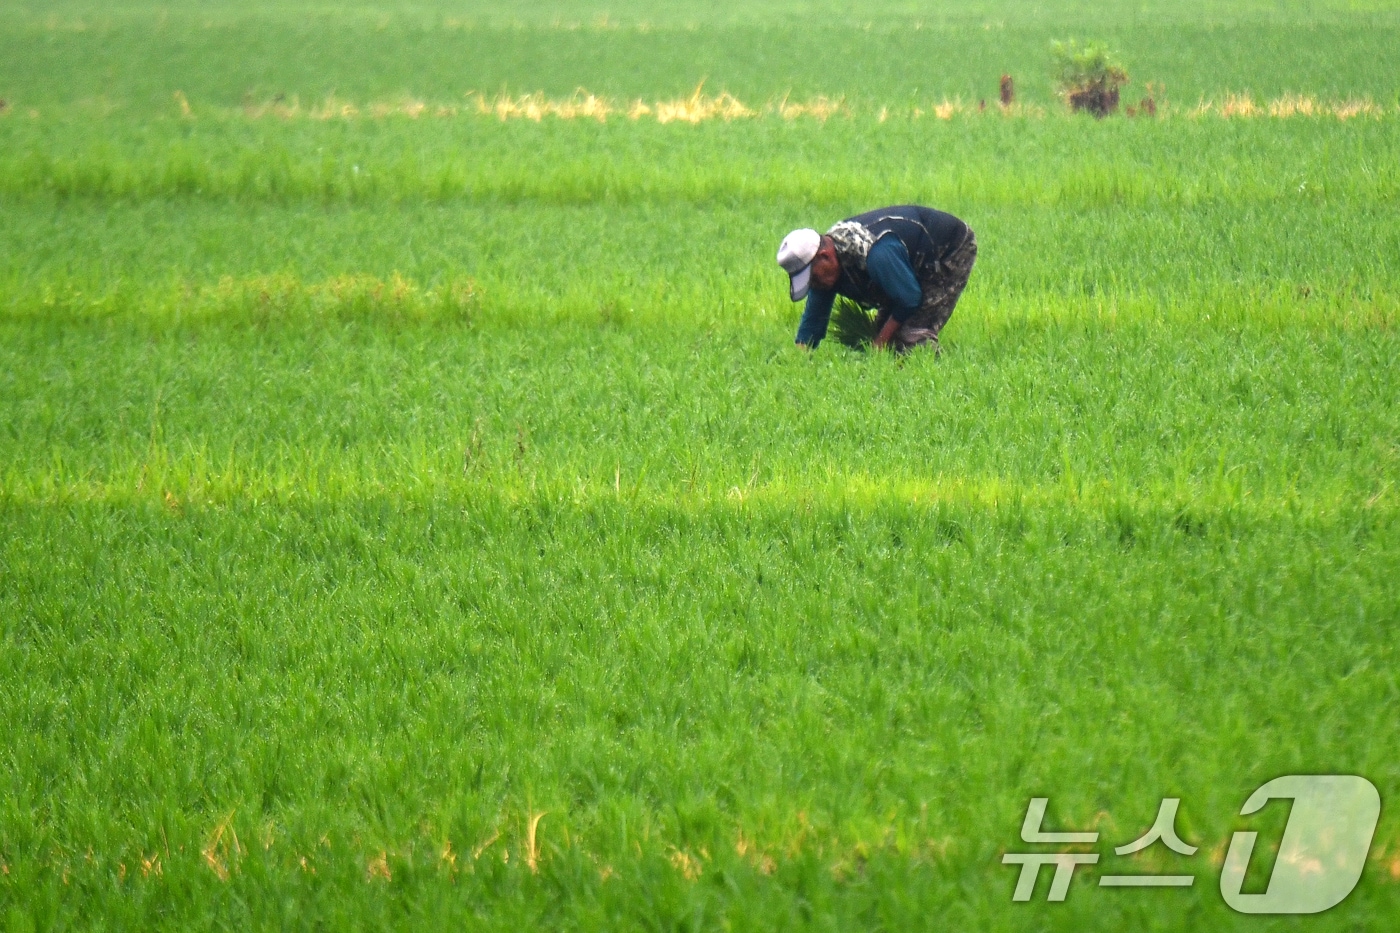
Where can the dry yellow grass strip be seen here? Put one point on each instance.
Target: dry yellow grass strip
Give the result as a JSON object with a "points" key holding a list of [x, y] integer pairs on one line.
{"points": [[944, 110], [536, 106], [1295, 105], [412, 109], [821, 107], [332, 108], [697, 108], [1356, 108], [1241, 105], [947, 109], [1287, 106]]}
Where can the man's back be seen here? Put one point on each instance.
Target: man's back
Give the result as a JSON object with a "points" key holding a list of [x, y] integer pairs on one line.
{"points": [[928, 234]]}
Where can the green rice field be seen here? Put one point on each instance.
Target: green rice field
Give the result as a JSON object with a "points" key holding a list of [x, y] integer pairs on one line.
{"points": [[414, 512]]}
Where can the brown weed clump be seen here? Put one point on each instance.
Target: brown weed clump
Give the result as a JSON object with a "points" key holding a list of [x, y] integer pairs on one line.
{"points": [[1089, 76]]}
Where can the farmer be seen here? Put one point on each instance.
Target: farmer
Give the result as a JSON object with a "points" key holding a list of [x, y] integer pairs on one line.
{"points": [[910, 263]]}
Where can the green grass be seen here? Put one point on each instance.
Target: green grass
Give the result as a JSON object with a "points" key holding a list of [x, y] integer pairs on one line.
{"points": [[135, 55], [372, 486]]}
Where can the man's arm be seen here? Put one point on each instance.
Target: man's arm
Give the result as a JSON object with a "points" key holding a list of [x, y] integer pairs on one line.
{"points": [[815, 317], [886, 333], [889, 267]]}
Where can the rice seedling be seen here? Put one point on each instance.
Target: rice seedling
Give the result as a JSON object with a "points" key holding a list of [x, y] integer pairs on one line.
{"points": [[852, 325], [413, 512]]}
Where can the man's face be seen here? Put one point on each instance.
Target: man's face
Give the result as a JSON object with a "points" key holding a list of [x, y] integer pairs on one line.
{"points": [[826, 269]]}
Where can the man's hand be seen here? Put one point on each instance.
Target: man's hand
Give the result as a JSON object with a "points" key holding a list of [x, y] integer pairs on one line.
{"points": [[887, 332]]}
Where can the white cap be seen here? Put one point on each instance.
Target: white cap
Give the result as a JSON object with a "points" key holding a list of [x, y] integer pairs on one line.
{"points": [[795, 256]]}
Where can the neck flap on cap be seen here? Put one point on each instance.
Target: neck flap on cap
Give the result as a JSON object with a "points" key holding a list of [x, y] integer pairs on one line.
{"points": [[852, 241]]}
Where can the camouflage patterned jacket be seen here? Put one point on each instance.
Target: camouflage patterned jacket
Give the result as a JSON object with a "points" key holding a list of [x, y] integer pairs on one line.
{"points": [[928, 235]]}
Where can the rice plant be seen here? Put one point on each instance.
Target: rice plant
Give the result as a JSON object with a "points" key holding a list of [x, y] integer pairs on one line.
{"points": [[853, 325], [418, 517]]}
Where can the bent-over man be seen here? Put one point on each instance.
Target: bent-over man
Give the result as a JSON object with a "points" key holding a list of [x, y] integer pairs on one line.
{"points": [[910, 263]]}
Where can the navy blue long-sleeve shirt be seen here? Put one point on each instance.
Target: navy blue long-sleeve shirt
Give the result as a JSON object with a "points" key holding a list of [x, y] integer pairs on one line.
{"points": [[889, 268]]}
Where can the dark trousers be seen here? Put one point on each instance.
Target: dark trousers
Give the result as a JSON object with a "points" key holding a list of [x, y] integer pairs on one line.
{"points": [[943, 285]]}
